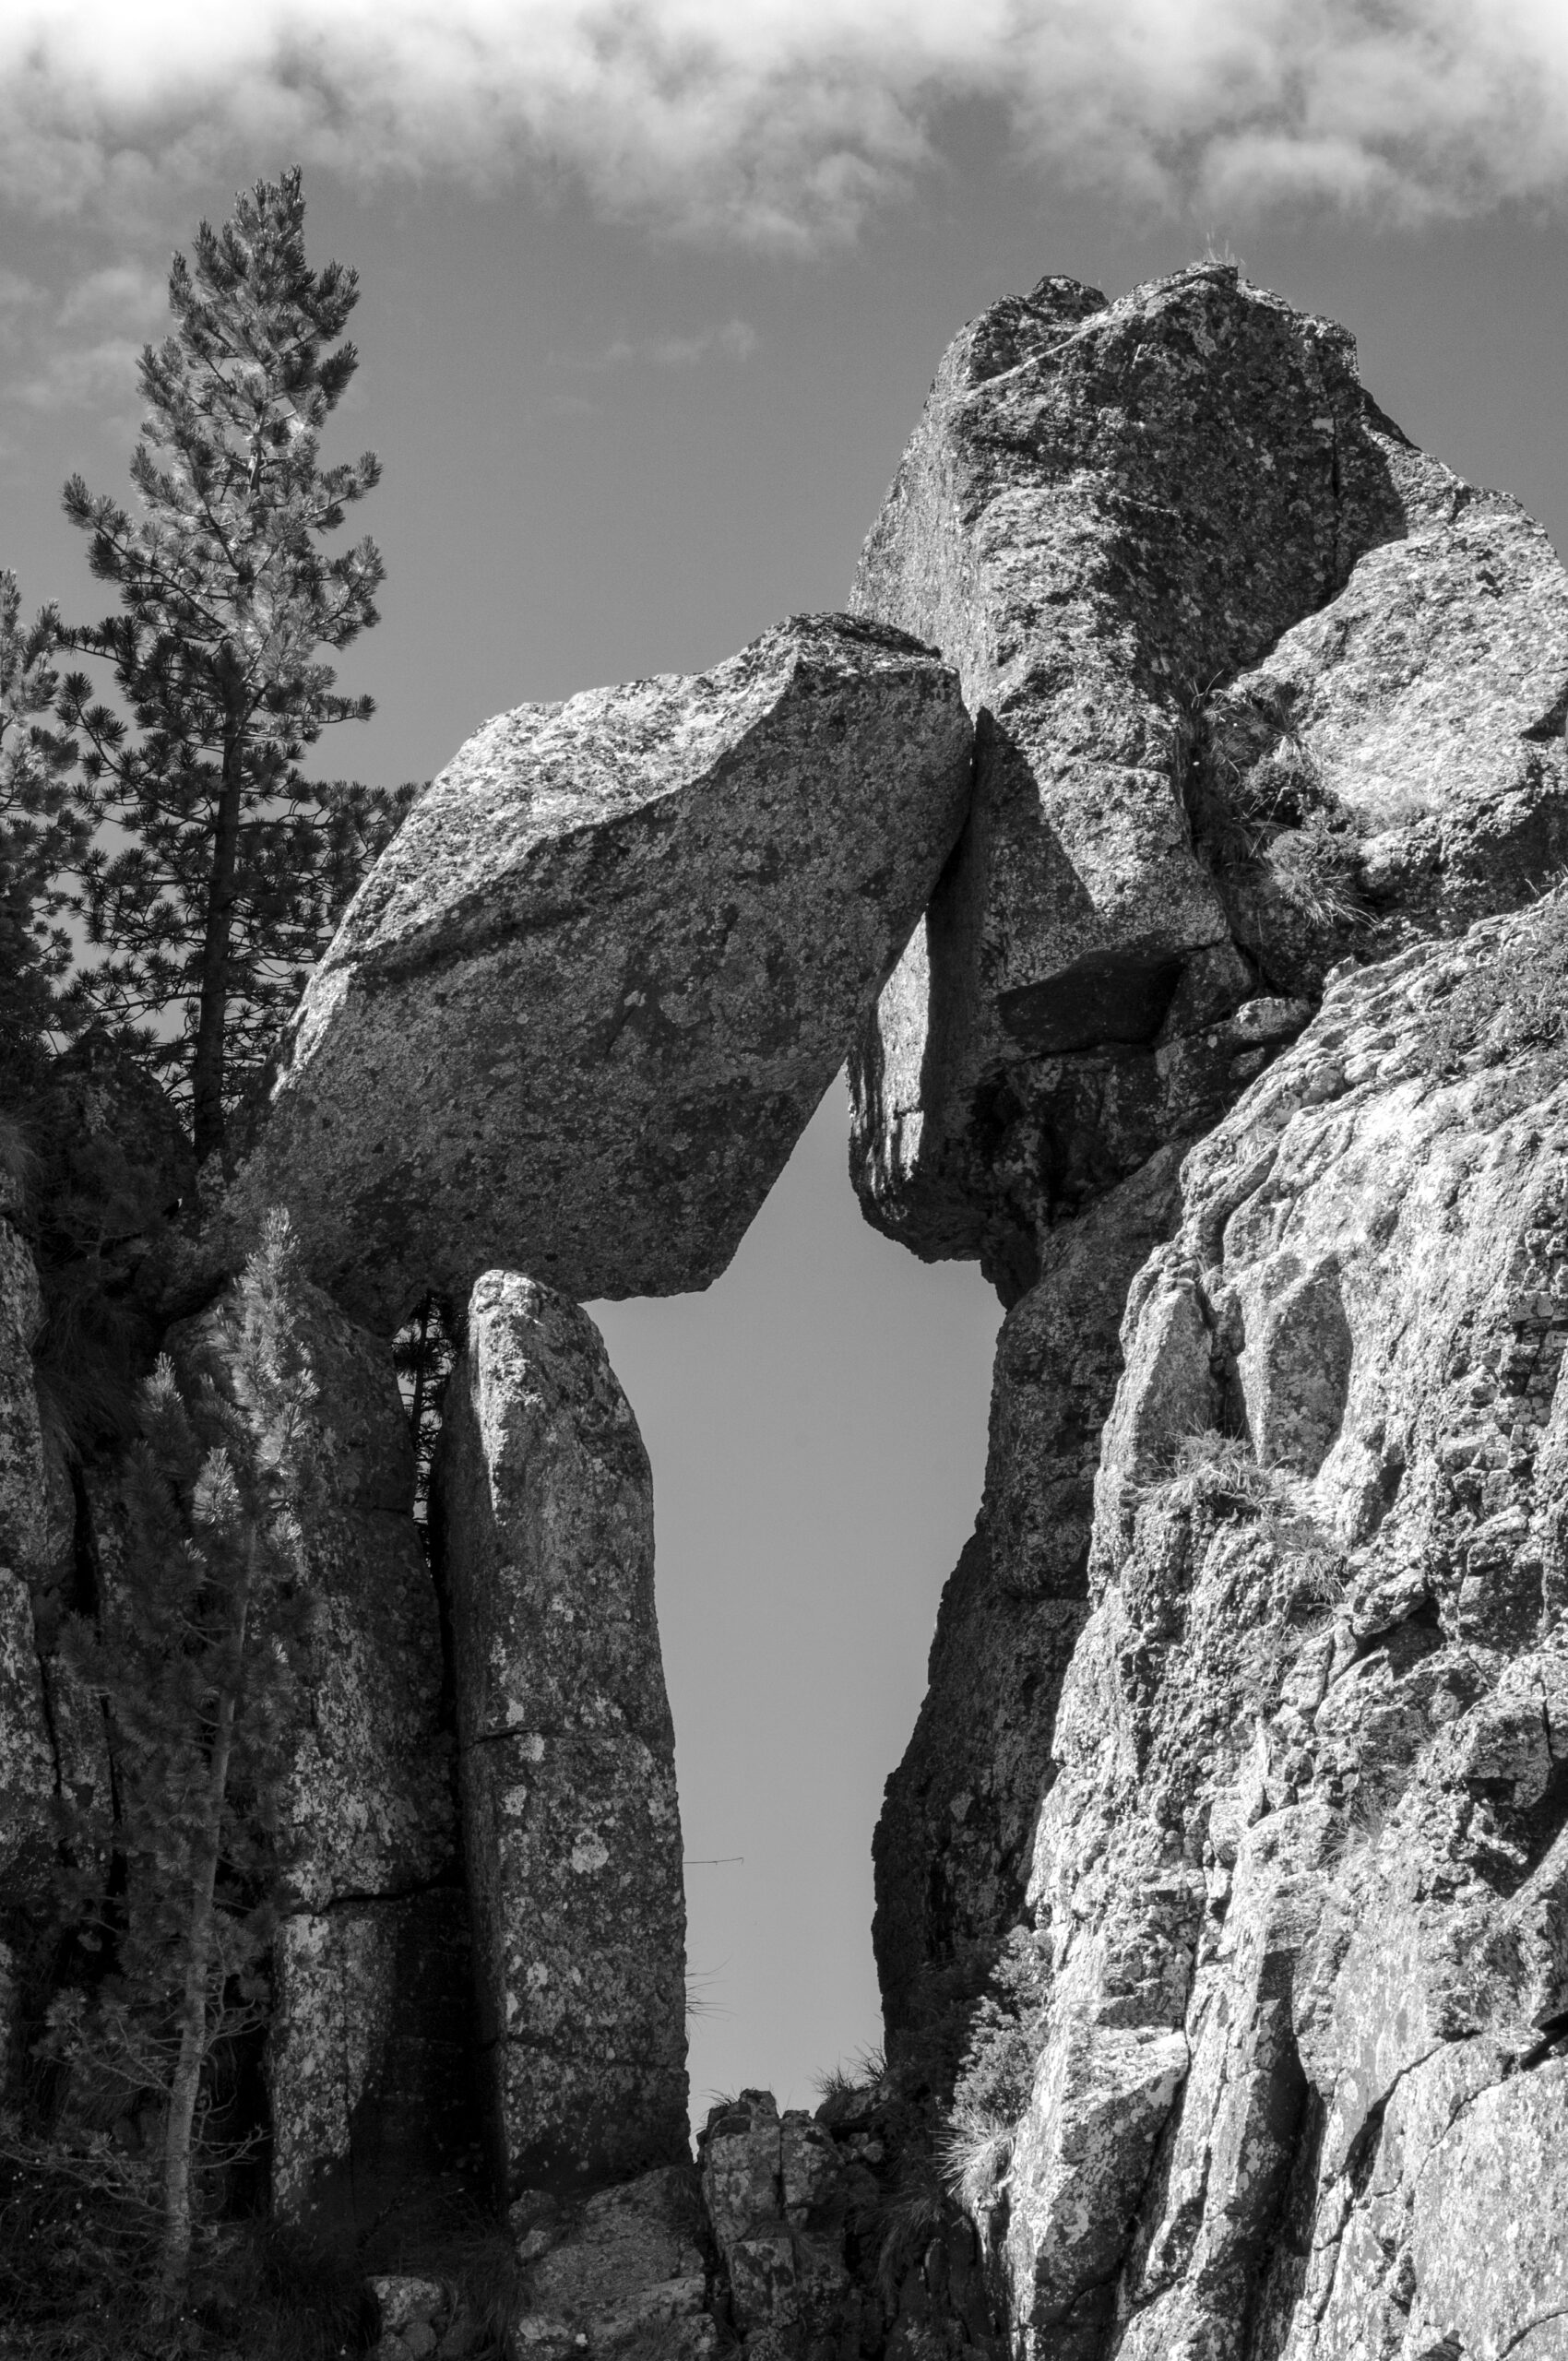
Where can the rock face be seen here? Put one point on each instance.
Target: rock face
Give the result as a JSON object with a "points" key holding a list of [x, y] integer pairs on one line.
{"points": [[1192, 578], [580, 1013], [774, 2193], [93, 1163], [544, 1533], [368, 2062], [1300, 1884], [625, 2273], [1255, 682], [27, 1755], [952, 1848], [830, 2242]]}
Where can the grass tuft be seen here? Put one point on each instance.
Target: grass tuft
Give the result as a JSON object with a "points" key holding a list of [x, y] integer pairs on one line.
{"points": [[1219, 1472], [1514, 1004], [975, 2153], [906, 2223]]}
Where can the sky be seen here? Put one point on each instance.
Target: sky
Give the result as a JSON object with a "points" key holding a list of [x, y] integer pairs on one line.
{"points": [[652, 292]]}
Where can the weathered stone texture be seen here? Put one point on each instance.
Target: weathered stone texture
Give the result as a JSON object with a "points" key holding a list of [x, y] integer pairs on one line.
{"points": [[1252, 676], [544, 1520], [580, 1013], [776, 2198], [371, 2068], [368, 1822], [623, 2274], [1394, 767], [1301, 1879], [27, 1762], [953, 1844], [831, 2234]]}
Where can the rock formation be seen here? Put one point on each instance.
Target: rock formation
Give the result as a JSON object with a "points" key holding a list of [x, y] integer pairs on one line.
{"points": [[1222, 1894], [823, 2244], [625, 2274], [580, 1016], [1300, 1884], [27, 1754], [544, 1531], [952, 1846], [1354, 669], [1225, 732], [369, 2061]]}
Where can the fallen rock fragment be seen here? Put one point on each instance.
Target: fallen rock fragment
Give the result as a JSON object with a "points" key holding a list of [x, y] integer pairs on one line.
{"points": [[623, 2275], [775, 2189], [544, 1526], [580, 1016]]}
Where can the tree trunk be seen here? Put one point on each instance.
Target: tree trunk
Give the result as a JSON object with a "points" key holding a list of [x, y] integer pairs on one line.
{"points": [[207, 1067], [185, 2087]]}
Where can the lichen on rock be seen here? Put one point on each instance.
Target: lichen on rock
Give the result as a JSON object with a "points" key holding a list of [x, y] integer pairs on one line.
{"points": [[543, 1523], [1304, 1839], [580, 1013], [369, 2053], [1255, 683]]}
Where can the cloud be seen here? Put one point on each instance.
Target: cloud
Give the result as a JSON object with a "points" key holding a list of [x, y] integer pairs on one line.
{"points": [[81, 350], [732, 341], [783, 121]]}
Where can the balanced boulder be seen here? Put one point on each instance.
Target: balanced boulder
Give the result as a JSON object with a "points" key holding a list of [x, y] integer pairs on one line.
{"points": [[578, 1017]]}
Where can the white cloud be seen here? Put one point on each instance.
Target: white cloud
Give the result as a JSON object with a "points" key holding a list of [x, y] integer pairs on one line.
{"points": [[783, 121], [81, 350], [730, 340]]}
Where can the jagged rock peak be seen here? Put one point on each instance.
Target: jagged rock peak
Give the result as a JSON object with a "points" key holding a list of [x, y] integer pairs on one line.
{"points": [[579, 1015], [1258, 685]]}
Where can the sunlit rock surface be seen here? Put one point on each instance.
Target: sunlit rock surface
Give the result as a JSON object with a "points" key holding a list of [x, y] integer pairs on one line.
{"points": [[571, 1826], [953, 1843], [1255, 683], [1301, 1884], [581, 1012]]}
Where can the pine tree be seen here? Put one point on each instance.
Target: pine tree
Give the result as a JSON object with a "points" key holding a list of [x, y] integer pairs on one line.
{"points": [[423, 1354], [46, 822], [235, 866], [196, 1660]]}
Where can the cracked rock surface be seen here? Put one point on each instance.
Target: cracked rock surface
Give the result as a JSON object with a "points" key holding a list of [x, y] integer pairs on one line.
{"points": [[27, 1752], [572, 1829], [368, 2061], [1255, 682], [1300, 1889], [580, 1013]]}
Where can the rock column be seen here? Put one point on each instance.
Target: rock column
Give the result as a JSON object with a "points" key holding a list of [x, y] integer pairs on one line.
{"points": [[26, 1756], [544, 1526], [369, 2058]]}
